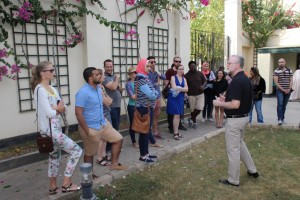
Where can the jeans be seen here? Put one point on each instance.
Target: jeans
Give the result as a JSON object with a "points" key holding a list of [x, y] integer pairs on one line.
{"points": [[282, 100], [115, 117], [144, 138], [208, 106], [130, 110], [257, 105]]}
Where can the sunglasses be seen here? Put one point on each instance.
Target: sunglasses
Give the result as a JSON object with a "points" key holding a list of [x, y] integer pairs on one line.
{"points": [[49, 70], [153, 62], [177, 61]]}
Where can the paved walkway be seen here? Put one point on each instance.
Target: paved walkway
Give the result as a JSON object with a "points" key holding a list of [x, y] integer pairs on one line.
{"points": [[31, 182]]}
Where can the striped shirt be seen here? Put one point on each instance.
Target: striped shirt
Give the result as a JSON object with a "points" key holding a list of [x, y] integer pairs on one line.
{"points": [[284, 76], [144, 99]]}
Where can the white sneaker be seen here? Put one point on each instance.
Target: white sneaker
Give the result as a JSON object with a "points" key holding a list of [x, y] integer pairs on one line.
{"points": [[203, 120], [279, 122], [211, 119], [195, 125], [190, 122]]}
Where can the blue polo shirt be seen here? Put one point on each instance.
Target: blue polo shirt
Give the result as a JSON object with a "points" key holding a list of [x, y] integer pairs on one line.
{"points": [[90, 99]]}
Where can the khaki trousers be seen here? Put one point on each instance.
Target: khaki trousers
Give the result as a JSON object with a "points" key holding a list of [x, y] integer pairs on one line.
{"points": [[237, 149]]}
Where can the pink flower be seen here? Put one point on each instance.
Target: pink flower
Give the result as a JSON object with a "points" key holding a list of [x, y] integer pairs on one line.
{"points": [[204, 2], [193, 15], [147, 1], [15, 69], [3, 53], [142, 13], [24, 12], [158, 21], [276, 14], [131, 33], [130, 2], [3, 70]]}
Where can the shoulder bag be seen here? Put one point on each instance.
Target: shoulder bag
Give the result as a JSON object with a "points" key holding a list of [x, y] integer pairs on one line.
{"points": [[44, 143], [165, 91], [140, 124]]}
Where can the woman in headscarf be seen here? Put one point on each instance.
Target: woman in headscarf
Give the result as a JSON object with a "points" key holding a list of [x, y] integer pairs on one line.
{"points": [[145, 102]]}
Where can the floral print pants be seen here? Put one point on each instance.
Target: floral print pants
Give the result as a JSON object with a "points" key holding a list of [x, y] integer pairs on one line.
{"points": [[63, 142]]}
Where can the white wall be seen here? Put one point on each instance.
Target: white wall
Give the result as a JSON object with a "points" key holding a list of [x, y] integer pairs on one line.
{"points": [[91, 52]]}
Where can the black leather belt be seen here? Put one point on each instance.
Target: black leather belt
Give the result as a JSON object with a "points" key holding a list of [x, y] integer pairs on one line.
{"points": [[236, 116]]}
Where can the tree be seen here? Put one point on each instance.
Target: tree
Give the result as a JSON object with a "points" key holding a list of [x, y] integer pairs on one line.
{"points": [[207, 27], [260, 18]]}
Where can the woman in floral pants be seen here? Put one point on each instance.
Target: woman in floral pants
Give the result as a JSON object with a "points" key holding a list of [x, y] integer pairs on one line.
{"points": [[49, 105]]}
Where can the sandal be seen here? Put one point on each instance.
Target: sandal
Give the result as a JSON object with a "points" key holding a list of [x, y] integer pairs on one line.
{"points": [[102, 162], [107, 158], [53, 191], [68, 188], [95, 176], [177, 136]]}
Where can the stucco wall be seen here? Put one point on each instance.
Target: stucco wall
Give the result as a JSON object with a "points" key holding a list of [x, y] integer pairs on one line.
{"points": [[92, 52]]}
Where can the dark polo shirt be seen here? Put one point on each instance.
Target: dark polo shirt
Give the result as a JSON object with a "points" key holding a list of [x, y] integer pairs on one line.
{"points": [[194, 81], [239, 89], [169, 73]]}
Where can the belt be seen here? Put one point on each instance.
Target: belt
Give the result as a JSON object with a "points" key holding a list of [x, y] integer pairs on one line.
{"points": [[236, 116]]}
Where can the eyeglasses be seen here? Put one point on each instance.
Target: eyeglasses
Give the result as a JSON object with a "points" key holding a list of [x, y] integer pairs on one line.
{"points": [[153, 62], [177, 61], [49, 70], [180, 69], [229, 63]]}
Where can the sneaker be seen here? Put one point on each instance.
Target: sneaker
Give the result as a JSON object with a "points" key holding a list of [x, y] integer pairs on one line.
{"points": [[195, 125], [190, 122], [146, 160], [158, 136], [279, 122], [211, 119], [152, 156], [135, 145], [182, 128], [157, 145], [203, 120]]}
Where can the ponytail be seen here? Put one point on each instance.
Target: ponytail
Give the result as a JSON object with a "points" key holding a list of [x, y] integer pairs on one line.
{"points": [[36, 73]]}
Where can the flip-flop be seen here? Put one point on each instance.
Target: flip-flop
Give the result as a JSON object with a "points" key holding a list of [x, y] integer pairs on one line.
{"points": [[68, 188]]}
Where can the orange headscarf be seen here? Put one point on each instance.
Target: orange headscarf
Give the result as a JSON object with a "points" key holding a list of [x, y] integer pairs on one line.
{"points": [[141, 66]]}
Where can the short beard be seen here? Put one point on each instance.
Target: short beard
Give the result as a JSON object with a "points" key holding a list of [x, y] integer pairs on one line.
{"points": [[96, 82]]}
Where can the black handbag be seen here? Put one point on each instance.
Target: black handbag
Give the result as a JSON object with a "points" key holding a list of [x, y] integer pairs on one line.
{"points": [[165, 91], [44, 143]]}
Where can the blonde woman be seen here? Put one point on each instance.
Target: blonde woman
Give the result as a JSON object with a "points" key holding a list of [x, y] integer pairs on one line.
{"points": [[49, 105]]}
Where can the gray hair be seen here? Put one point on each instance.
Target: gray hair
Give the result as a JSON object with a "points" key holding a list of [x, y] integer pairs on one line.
{"points": [[240, 60]]}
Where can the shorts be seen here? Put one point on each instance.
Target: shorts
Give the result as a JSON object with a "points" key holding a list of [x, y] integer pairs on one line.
{"points": [[196, 102], [91, 141]]}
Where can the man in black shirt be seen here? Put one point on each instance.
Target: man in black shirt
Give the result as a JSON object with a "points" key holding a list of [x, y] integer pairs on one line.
{"points": [[237, 104]]}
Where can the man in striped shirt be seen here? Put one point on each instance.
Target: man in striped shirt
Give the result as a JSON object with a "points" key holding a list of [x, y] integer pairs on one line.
{"points": [[283, 79]]}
